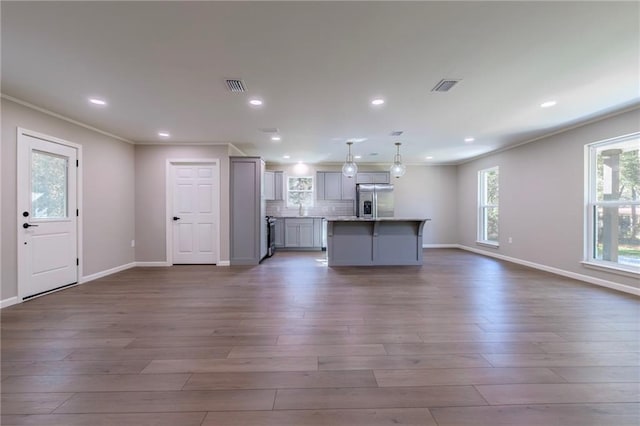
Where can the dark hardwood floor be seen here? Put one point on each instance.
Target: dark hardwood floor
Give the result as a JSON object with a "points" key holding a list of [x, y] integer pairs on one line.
{"points": [[463, 340]]}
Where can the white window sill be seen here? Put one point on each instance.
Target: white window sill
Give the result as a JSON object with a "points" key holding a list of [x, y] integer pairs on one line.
{"points": [[620, 270], [491, 244]]}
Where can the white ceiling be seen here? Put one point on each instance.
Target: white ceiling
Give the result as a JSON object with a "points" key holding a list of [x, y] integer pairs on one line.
{"points": [[317, 65]]}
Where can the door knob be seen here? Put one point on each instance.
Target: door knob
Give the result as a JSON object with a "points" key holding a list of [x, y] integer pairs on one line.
{"points": [[27, 225], [176, 218]]}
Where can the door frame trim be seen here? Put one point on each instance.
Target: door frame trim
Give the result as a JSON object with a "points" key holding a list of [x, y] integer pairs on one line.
{"points": [[20, 183], [170, 163]]}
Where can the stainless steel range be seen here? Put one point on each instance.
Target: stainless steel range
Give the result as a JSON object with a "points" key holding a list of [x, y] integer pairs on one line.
{"points": [[271, 235]]}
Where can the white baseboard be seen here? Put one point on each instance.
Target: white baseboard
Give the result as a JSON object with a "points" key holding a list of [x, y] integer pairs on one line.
{"points": [[165, 264], [104, 273], [8, 302], [151, 264], [440, 246], [591, 280]]}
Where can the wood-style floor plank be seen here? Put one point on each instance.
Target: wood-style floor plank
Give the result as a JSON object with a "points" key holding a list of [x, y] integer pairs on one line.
{"points": [[231, 365], [567, 393], [48, 368], [185, 352], [282, 380], [405, 397], [136, 419], [465, 376], [32, 403], [616, 359], [463, 340], [464, 348], [599, 374], [401, 362], [171, 401], [377, 417], [95, 383], [540, 415], [349, 339], [306, 350]]}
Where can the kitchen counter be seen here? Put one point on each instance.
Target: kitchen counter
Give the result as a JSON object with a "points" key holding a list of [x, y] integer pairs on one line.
{"points": [[299, 217], [353, 241]]}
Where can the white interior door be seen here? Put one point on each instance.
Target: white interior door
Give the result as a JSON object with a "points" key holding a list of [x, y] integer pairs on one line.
{"points": [[47, 215], [195, 221]]}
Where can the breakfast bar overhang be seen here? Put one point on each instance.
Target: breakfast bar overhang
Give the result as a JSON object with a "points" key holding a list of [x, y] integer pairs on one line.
{"points": [[372, 242]]}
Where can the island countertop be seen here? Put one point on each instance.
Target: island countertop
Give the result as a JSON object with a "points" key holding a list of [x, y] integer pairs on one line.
{"points": [[353, 241], [374, 219]]}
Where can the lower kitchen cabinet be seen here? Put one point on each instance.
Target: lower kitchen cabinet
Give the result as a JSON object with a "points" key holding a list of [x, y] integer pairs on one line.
{"points": [[279, 231], [304, 233]]}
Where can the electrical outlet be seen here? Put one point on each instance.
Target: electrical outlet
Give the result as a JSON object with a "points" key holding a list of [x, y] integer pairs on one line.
{"points": [[510, 240], [133, 243]]}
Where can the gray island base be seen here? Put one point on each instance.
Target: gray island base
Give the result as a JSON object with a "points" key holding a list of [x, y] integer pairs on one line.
{"points": [[371, 242]]}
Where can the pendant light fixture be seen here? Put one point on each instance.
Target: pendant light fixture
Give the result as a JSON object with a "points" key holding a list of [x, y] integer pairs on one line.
{"points": [[397, 169], [350, 168]]}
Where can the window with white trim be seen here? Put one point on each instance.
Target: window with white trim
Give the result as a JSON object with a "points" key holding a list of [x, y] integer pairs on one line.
{"points": [[488, 200], [300, 191], [613, 205]]}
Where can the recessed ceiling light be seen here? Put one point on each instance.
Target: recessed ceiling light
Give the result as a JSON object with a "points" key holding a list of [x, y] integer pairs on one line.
{"points": [[276, 138], [357, 157], [429, 157], [300, 168], [547, 104], [286, 157], [469, 140], [164, 134], [255, 102], [98, 101], [377, 101]]}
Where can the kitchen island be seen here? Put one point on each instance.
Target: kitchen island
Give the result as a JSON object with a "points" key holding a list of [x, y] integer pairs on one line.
{"points": [[353, 241]]}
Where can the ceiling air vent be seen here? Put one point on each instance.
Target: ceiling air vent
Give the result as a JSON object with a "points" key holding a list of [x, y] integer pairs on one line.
{"points": [[236, 86], [445, 85], [397, 133]]}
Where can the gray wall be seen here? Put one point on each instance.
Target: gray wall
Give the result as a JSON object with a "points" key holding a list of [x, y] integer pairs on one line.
{"points": [[542, 203], [150, 182], [108, 196], [429, 192]]}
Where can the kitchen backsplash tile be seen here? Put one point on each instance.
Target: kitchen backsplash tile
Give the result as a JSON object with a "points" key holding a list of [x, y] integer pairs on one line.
{"points": [[321, 208]]}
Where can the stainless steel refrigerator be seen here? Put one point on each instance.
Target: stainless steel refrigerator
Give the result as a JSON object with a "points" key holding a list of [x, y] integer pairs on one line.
{"points": [[374, 200]]}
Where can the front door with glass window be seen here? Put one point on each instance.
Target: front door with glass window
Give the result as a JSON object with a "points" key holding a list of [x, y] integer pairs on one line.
{"points": [[47, 216]]}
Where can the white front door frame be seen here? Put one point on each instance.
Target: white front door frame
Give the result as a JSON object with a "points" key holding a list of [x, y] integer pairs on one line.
{"points": [[169, 201], [23, 160]]}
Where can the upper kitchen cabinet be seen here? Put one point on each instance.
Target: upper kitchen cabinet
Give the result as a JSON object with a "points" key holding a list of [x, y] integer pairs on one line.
{"points": [[373, 177], [273, 185], [333, 186]]}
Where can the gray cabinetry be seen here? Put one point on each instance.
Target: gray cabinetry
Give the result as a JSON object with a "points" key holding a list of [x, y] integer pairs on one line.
{"points": [[279, 231], [246, 218], [348, 188], [373, 177], [273, 185], [332, 186], [304, 233]]}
